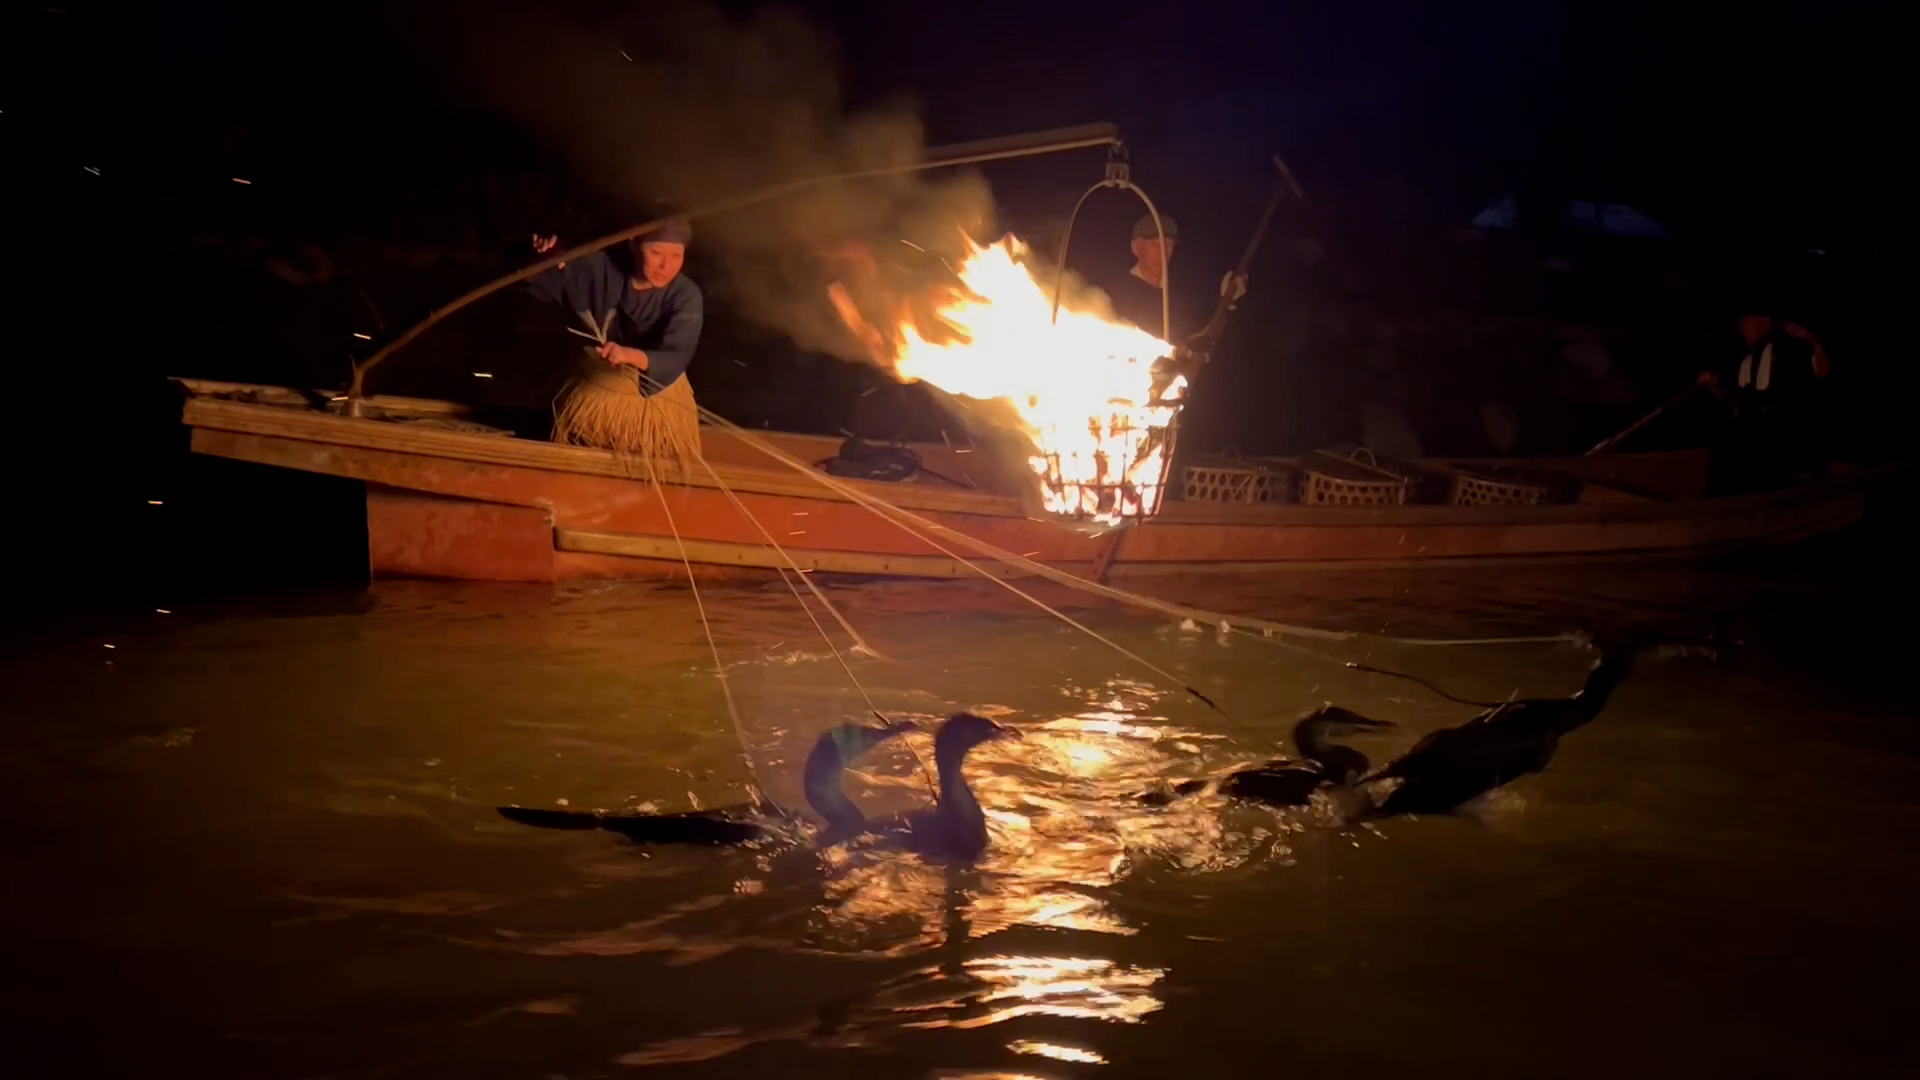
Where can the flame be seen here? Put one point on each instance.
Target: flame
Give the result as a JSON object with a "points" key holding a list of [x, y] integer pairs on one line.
{"points": [[1082, 387]]}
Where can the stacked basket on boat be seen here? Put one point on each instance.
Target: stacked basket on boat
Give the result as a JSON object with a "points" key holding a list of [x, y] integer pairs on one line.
{"points": [[1350, 476], [1491, 487], [1230, 478], [1356, 478]]}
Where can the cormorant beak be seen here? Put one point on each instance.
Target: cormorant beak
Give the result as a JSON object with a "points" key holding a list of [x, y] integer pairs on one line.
{"points": [[1002, 731], [1368, 723]]}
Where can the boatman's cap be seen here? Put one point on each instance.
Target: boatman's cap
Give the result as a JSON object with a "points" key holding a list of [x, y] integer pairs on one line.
{"points": [[677, 231], [1144, 229]]}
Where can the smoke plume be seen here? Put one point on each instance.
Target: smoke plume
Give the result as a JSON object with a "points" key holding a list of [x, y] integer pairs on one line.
{"points": [[689, 106]]}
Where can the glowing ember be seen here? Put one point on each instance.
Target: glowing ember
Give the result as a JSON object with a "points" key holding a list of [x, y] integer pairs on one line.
{"points": [[1083, 387]]}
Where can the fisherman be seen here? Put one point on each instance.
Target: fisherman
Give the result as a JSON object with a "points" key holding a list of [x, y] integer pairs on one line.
{"points": [[632, 394], [1769, 390], [1139, 295], [660, 310]]}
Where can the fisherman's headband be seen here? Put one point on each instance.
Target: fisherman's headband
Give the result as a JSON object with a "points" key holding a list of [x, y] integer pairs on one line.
{"points": [[677, 231], [1144, 228]]}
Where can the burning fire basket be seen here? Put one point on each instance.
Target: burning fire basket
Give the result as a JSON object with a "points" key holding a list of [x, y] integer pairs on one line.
{"points": [[1124, 480]]}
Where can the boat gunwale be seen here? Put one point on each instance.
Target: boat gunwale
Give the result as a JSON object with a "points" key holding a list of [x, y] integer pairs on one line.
{"points": [[648, 546], [280, 421]]}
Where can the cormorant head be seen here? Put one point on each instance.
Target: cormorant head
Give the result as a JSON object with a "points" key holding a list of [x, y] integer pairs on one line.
{"points": [[826, 767], [1329, 721], [1610, 671], [964, 731], [834, 749], [853, 740]]}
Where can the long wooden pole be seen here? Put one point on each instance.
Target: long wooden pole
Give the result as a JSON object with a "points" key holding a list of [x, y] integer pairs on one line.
{"points": [[1210, 333], [1043, 142], [1607, 444]]}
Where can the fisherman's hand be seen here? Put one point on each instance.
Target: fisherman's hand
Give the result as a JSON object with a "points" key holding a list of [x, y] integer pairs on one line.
{"points": [[1185, 361], [623, 356], [545, 244], [1233, 286], [1822, 366], [1709, 379]]}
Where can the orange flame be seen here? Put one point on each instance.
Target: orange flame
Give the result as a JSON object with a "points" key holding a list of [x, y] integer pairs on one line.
{"points": [[1082, 386]]}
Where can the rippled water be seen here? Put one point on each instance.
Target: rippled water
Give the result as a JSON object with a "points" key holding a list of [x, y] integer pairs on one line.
{"points": [[260, 841]]}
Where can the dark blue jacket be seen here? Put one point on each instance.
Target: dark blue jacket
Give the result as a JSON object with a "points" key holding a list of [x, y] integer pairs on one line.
{"points": [[663, 323]]}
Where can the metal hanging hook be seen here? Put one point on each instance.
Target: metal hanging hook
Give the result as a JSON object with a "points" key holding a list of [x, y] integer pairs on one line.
{"points": [[1119, 175]]}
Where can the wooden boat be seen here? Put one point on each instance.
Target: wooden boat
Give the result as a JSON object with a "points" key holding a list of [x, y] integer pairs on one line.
{"points": [[448, 498]]}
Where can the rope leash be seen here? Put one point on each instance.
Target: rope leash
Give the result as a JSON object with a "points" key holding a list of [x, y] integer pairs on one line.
{"points": [[719, 668], [933, 788], [925, 530]]}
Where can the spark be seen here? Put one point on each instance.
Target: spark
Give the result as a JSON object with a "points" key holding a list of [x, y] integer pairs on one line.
{"points": [[162, 611], [111, 646], [91, 169], [237, 180], [154, 502], [483, 374], [363, 337]]}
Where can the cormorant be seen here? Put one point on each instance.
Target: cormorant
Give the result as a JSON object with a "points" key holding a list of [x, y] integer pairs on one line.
{"points": [[1285, 782], [957, 828], [746, 823], [1508, 741]]}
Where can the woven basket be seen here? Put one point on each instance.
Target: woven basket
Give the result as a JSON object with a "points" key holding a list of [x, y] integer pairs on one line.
{"points": [[1334, 480], [1229, 479], [1483, 489]]}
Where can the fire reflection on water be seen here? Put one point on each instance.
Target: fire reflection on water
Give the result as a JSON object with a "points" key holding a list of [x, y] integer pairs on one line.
{"points": [[1066, 824], [1076, 1054], [1062, 809]]}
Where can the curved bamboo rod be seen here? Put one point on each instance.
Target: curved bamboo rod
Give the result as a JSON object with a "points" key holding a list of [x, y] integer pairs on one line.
{"points": [[1045, 142]]}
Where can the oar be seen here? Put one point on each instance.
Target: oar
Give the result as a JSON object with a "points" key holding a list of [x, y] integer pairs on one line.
{"points": [[1676, 399]]}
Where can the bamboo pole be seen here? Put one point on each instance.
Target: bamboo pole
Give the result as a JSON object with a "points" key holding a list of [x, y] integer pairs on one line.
{"points": [[1605, 445], [973, 153]]}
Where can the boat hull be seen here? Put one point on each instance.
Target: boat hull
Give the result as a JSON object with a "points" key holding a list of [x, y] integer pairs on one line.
{"points": [[448, 504]]}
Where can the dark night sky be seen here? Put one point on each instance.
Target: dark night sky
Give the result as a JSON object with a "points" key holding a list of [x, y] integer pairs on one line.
{"points": [[1777, 118]]}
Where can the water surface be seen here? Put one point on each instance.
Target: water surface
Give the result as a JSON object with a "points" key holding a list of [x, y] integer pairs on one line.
{"points": [[259, 840]]}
